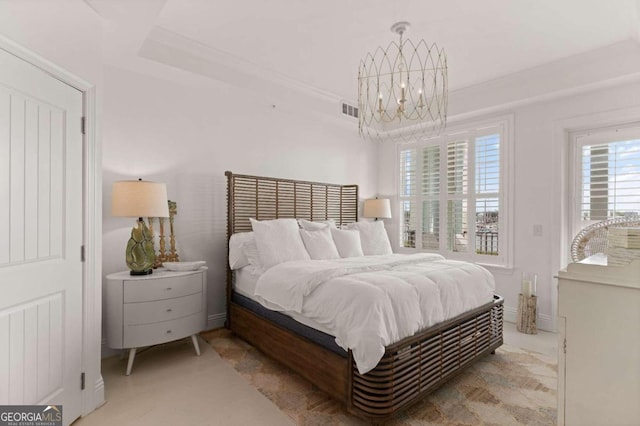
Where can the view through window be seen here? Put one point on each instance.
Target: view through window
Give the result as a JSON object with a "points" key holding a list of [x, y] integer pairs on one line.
{"points": [[608, 184]]}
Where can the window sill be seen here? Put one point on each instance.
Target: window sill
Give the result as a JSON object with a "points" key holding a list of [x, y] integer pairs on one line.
{"points": [[493, 267], [500, 269]]}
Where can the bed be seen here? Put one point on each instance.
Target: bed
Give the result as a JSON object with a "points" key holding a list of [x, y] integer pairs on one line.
{"points": [[409, 368]]}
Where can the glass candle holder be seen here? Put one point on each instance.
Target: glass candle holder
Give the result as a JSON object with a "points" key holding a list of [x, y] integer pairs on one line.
{"points": [[529, 284]]}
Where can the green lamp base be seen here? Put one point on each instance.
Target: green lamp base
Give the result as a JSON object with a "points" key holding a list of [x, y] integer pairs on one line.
{"points": [[140, 253]]}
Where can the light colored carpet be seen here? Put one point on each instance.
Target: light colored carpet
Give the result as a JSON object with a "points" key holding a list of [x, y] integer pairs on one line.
{"points": [[512, 387], [172, 386]]}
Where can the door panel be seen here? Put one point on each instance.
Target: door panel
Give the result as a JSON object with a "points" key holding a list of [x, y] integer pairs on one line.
{"points": [[35, 164], [41, 224]]}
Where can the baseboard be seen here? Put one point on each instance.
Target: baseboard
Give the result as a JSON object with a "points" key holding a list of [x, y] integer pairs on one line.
{"points": [[543, 322], [216, 320]]}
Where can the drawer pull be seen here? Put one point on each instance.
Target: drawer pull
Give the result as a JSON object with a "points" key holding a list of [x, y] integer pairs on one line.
{"points": [[168, 331], [169, 289], [169, 310]]}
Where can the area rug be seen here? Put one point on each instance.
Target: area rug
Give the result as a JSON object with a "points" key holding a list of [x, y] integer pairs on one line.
{"points": [[512, 387]]}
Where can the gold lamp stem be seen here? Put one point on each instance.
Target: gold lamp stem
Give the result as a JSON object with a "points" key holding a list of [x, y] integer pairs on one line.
{"points": [[173, 255], [163, 254]]}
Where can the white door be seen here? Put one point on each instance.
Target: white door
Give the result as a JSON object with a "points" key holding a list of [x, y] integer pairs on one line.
{"points": [[41, 223]]}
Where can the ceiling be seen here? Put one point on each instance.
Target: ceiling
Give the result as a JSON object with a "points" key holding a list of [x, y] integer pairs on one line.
{"points": [[320, 43]]}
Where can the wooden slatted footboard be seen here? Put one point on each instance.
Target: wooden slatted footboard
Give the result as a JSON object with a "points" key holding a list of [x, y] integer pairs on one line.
{"points": [[420, 364]]}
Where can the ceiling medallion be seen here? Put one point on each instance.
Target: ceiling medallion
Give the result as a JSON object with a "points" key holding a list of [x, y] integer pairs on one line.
{"points": [[402, 90]]}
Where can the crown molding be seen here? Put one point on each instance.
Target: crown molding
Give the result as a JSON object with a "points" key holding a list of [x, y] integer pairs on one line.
{"points": [[163, 45], [547, 97], [571, 76]]}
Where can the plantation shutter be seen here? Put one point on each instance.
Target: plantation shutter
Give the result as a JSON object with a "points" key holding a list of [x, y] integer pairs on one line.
{"points": [[488, 164], [457, 189], [457, 167], [408, 191], [431, 197]]}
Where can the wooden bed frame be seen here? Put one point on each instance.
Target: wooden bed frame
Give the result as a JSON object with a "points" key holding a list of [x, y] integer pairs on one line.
{"points": [[409, 369]]}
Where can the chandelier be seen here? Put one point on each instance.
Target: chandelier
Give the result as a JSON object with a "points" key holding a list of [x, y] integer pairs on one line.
{"points": [[402, 90]]}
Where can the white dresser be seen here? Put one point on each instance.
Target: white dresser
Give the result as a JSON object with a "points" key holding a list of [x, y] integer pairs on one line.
{"points": [[599, 351], [152, 309]]}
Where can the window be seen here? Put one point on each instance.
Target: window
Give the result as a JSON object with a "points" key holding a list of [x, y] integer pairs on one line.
{"points": [[607, 175], [453, 196]]}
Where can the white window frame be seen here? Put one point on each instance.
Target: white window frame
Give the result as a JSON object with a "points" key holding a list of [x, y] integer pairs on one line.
{"points": [[502, 125], [579, 139]]}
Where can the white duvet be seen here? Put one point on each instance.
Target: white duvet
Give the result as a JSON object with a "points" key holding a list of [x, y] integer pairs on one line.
{"points": [[370, 302]]}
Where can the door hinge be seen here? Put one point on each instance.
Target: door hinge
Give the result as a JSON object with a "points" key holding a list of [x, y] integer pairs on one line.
{"points": [[83, 125], [82, 381], [81, 253], [564, 346]]}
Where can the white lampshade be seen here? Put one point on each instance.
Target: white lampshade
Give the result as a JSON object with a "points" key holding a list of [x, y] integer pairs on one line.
{"points": [[378, 208], [136, 198]]}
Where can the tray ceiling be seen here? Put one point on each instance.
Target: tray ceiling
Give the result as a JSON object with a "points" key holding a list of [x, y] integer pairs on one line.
{"points": [[319, 44]]}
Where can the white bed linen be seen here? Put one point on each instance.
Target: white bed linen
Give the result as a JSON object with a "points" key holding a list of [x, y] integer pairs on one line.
{"points": [[245, 283], [370, 302]]}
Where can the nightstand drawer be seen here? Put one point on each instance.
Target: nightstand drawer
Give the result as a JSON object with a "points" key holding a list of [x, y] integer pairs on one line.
{"points": [[161, 332], [161, 310], [148, 290]]}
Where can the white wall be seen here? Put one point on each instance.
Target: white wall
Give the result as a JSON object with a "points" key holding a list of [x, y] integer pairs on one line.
{"points": [[537, 194], [187, 136]]}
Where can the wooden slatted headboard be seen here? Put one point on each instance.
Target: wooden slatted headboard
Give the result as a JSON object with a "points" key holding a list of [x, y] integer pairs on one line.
{"points": [[265, 198]]}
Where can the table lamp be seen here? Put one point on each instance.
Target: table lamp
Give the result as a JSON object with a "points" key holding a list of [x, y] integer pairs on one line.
{"points": [[138, 198], [378, 208]]}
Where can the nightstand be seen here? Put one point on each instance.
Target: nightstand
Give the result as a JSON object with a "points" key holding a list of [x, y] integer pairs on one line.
{"points": [[147, 310]]}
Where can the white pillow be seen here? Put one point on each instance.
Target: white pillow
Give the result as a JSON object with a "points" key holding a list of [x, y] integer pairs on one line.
{"points": [[373, 237], [347, 242], [237, 256], [278, 241], [320, 244], [314, 226], [250, 250]]}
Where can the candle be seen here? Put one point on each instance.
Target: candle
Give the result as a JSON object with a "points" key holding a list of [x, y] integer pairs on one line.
{"points": [[528, 284]]}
